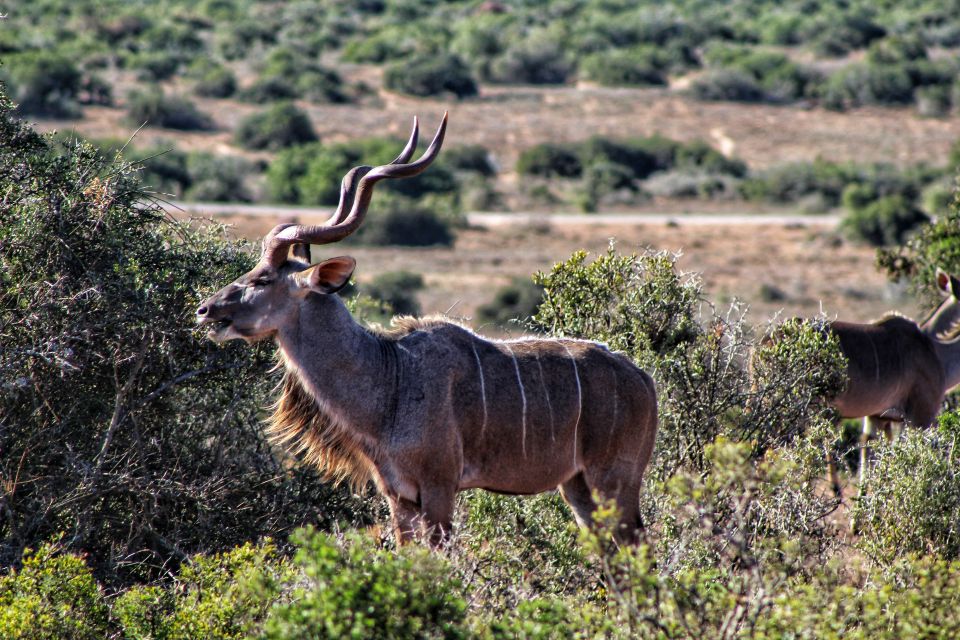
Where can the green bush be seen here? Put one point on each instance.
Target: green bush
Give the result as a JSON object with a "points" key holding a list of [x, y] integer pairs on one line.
{"points": [[910, 500], [431, 75], [282, 125], [397, 292], [700, 156], [356, 590], [514, 304], [155, 66], [537, 59], [934, 246], [45, 84], [617, 68], [885, 221], [268, 89], [472, 158], [289, 74], [216, 178], [52, 595], [549, 159], [779, 77], [223, 596], [792, 182], [163, 170], [214, 81], [837, 35], [728, 85], [311, 174], [159, 453], [896, 49], [603, 178], [868, 84], [152, 107], [399, 224]]}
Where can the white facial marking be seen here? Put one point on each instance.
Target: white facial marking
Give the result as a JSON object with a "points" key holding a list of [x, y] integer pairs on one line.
{"points": [[523, 398], [483, 388], [576, 373]]}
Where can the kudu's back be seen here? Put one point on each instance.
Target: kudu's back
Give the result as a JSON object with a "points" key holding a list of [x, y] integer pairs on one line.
{"points": [[893, 371]]}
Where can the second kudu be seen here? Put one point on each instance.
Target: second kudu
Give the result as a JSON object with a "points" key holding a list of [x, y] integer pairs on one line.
{"points": [[898, 371], [430, 408]]}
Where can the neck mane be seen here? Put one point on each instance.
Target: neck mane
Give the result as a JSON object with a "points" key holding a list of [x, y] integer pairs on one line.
{"points": [[300, 424], [314, 415]]}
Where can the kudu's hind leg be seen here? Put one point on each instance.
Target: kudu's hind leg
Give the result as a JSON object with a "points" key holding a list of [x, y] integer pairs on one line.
{"points": [[622, 485], [577, 494], [870, 427]]}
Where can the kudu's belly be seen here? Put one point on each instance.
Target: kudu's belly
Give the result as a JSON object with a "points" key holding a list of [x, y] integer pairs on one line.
{"points": [[875, 400], [517, 478]]}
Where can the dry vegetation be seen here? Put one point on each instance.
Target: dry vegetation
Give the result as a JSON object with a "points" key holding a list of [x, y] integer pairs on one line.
{"points": [[798, 271], [811, 266]]}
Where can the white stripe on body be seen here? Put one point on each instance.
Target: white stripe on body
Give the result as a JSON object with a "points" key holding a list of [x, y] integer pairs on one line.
{"points": [[613, 425], [546, 393], [576, 372], [523, 397], [483, 388]]}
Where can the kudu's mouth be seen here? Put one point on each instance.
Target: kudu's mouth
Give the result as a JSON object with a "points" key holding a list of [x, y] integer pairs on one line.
{"points": [[218, 327]]}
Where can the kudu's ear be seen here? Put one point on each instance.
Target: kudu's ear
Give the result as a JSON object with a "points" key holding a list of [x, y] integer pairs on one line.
{"points": [[948, 284], [330, 275], [301, 252]]}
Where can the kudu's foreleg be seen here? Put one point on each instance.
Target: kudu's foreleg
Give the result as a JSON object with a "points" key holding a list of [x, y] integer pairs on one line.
{"points": [[832, 472], [870, 428], [405, 516], [436, 510]]}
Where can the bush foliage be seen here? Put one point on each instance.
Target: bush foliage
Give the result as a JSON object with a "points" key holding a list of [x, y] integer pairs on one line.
{"points": [[280, 126], [123, 428]]}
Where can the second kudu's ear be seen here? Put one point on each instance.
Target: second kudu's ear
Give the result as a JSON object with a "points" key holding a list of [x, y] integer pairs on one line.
{"points": [[330, 275], [948, 284]]}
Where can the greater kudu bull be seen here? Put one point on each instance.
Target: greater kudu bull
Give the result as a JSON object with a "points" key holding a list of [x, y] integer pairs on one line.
{"points": [[430, 408]]}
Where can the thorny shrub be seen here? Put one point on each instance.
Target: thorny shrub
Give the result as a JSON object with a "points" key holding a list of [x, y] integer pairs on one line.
{"points": [[910, 502], [121, 426]]}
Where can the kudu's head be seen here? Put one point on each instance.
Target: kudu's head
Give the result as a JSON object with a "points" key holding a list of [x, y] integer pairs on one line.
{"points": [[945, 319], [259, 303]]}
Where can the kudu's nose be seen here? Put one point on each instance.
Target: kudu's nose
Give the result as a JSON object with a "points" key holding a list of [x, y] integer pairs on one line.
{"points": [[202, 311]]}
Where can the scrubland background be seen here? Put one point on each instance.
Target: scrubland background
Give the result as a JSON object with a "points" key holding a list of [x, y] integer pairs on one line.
{"points": [[138, 497]]}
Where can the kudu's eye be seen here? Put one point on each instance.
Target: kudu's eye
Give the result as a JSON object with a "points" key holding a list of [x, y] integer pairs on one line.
{"points": [[261, 282]]}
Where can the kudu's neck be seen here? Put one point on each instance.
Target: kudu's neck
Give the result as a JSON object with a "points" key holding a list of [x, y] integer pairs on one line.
{"points": [[352, 373], [942, 320], [949, 354]]}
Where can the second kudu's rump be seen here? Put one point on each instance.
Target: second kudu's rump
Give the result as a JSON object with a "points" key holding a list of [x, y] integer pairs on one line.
{"points": [[430, 408]]}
